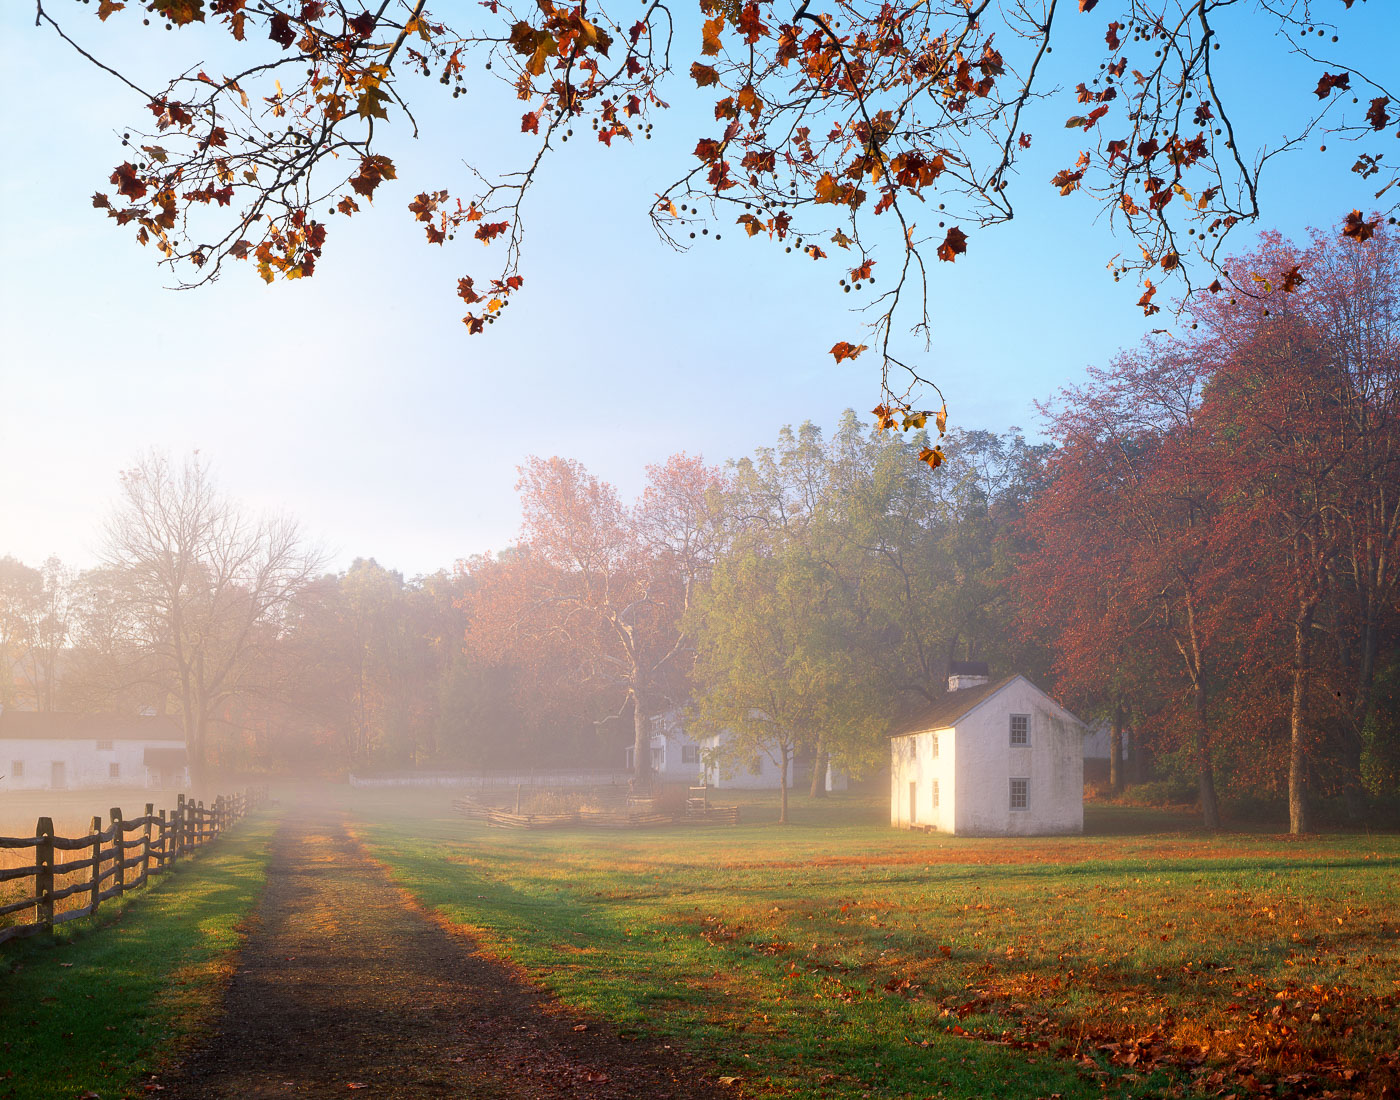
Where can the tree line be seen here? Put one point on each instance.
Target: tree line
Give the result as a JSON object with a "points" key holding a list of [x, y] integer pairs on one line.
{"points": [[1204, 556]]}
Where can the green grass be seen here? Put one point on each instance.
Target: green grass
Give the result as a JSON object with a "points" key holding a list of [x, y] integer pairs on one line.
{"points": [[856, 960], [109, 997]]}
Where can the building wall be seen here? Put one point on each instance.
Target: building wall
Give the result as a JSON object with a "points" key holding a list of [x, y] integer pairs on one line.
{"points": [[84, 765], [1053, 765], [728, 769], [916, 763]]}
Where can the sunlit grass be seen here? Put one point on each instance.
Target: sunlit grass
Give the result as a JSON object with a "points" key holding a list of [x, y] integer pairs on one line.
{"points": [[840, 957], [116, 994]]}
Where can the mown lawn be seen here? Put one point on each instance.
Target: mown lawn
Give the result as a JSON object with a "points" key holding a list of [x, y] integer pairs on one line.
{"points": [[98, 1007], [838, 957]]}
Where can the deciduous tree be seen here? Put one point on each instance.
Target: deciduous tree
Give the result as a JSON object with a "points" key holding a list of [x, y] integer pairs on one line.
{"points": [[204, 585]]}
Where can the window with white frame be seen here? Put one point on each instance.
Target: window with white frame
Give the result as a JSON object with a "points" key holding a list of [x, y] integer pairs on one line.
{"points": [[1020, 729], [935, 794], [1020, 794], [933, 740], [17, 768], [114, 771], [690, 754], [104, 746]]}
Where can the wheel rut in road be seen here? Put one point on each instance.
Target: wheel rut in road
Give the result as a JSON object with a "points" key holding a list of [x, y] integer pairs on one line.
{"points": [[343, 985]]}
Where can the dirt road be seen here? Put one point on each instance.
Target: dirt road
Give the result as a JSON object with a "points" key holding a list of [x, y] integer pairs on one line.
{"points": [[343, 987]]}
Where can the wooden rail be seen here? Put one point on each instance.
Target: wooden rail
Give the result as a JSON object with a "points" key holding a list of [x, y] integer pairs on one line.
{"points": [[144, 846], [594, 819]]}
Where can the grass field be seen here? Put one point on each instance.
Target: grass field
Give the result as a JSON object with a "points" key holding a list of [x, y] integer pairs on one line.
{"points": [[94, 1012], [838, 957]]}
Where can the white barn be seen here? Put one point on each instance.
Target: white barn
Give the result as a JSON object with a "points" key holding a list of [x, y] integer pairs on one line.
{"points": [[991, 758], [43, 750]]}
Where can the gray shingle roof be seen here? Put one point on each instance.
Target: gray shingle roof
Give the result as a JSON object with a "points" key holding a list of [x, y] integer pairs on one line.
{"points": [[950, 708]]}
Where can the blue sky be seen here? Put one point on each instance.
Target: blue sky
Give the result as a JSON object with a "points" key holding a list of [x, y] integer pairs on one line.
{"points": [[356, 401]]}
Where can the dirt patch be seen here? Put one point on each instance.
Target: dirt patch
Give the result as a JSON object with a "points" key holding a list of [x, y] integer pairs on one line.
{"points": [[342, 986]]}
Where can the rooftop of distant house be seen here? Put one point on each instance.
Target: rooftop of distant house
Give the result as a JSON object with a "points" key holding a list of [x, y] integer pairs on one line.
{"points": [[31, 725]]}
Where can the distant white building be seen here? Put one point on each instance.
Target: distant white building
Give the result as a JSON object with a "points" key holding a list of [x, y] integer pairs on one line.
{"points": [[990, 759], [43, 750], [676, 757], [1098, 739]]}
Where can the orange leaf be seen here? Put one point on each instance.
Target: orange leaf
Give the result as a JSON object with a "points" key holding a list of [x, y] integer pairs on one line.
{"points": [[847, 350]]}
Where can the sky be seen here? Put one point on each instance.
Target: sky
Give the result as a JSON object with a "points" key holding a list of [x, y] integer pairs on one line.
{"points": [[357, 402]]}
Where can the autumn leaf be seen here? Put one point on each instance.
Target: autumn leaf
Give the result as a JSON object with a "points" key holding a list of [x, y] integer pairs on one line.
{"points": [[1292, 280], [915, 420], [710, 44], [489, 230], [374, 169], [180, 12], [1377, 115], [1088, 5], [933, 456], [129, 184], [846, 350], [465, 291], [953, 246], [704, 75], [1067, 180], [942, 419], [1148, 309], [1356, 227], [530, 122], [371, 103], [280, 29], [1330, 82], [884, 417], [107, 7]]}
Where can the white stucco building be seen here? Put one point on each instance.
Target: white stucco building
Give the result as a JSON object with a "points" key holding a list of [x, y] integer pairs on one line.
{"points": [[991, 758], [42, 750]]}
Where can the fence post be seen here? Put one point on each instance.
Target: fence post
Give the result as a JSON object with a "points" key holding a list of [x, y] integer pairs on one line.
{"points": [[118, 843], [200, 819], [146, 848], [43, 877], [165, 846], [96, 860], [178, 825], [219, 824]]}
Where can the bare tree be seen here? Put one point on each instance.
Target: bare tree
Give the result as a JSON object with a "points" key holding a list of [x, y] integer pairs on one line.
{"points": [[207, 585]]}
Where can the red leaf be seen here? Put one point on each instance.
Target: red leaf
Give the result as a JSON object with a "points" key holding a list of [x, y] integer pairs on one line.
{"points": [[280, 29], [953, 246], [1330, 82]]}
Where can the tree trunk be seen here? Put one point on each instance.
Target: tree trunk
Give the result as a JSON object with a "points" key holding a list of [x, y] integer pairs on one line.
{"points": [[1210, 807], [1115, 748], [819, 768], [1353, 729], [783, 786], [1298, 816], [641, 746]]}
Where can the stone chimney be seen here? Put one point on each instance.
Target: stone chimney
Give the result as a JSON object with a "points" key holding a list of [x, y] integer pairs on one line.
{"points": [[967, 674]]}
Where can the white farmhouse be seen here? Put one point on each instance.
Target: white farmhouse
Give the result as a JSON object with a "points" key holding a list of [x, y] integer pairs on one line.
{"points": [[991, 758], [42, 750], [713, 760], [675, 758]]}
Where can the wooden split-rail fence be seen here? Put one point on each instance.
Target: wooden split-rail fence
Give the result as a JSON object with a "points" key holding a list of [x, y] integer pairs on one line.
{"points": [[119, 858], [632, 818]]}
